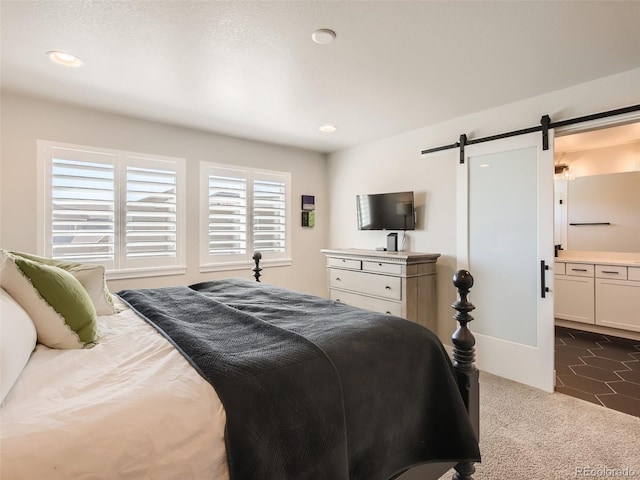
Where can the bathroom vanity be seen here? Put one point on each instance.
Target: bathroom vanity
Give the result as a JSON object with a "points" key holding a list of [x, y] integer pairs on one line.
{"points": [[598, 293]]}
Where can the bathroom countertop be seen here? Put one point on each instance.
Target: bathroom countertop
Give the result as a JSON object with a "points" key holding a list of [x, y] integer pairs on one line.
{"points": [[600, 259]]}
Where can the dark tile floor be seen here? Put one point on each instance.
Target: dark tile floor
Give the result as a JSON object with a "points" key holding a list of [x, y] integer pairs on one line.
{"points": [[600, 369]]}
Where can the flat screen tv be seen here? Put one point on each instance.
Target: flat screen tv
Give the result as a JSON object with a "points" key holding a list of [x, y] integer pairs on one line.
{"points": [[386, 211]]}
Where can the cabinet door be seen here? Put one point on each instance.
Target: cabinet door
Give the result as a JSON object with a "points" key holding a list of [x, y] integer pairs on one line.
{"points": [[618, 304], [574, 299]]}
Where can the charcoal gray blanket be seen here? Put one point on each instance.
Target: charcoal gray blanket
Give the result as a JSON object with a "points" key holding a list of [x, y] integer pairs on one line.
{"points": [[314, 389]]}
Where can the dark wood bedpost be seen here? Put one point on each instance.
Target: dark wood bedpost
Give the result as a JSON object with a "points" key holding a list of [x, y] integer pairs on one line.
{"points": [[463, 358], [256, 271]]}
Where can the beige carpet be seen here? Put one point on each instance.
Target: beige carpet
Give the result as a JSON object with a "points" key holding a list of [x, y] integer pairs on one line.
{"points": [[529, 434]]}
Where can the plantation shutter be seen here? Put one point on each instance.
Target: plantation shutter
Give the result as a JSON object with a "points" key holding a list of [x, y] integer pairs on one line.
{"points": [[151, 211], [269, 213], [82, 206], [113, 208], [243, 210], [227, 212]]}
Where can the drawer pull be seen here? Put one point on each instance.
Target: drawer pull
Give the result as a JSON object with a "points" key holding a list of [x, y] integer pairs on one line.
{"points": [[379, 264], [338, 279], [388, 312], [609, 271], [387, 287], [579, 269], [338, 300]]}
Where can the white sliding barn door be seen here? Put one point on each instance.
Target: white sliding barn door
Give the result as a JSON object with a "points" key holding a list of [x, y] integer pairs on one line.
{"points": [[505, 231]]}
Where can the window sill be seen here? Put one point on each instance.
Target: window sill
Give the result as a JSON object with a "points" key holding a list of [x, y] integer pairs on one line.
{"points": [[146, 272], [244, 265]]}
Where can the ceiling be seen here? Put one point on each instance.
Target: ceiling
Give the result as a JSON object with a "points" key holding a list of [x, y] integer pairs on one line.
{"points": [[250, 68], [599, 138]]}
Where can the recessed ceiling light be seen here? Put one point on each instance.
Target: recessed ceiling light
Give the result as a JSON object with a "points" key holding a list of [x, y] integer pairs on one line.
{"points": [[65, 59], [323, 36], [327, 128]]}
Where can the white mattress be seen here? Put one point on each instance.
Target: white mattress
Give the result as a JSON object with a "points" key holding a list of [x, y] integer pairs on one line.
{"points": [[130, 408]]}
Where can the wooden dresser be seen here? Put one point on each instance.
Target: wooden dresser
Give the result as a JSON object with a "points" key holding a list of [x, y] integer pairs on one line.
{"points": [[397, 283]]}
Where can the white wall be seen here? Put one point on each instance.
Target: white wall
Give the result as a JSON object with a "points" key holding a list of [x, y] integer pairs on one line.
{"points": [[390, 164], [396, 164], [27, 119]]}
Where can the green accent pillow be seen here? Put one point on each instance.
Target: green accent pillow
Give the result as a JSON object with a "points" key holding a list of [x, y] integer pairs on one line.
{"points": [[91, 276], [58, 304]]}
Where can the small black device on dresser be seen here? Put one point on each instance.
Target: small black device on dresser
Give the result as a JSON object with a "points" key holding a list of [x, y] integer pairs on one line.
{"points": [[392, 242]]}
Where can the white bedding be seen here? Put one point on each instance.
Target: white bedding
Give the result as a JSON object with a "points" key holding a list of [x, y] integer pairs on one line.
{"points": [[130, 408]]}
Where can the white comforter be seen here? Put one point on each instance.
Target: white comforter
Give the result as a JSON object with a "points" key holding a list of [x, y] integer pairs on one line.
{"points": [[130, 408]]}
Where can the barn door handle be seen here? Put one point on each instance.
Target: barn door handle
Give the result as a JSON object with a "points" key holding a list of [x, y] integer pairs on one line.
{"points": [[543, 279]]}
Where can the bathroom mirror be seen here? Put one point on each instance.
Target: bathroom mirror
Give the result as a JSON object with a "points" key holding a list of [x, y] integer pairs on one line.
{"points": [[597, 194]]}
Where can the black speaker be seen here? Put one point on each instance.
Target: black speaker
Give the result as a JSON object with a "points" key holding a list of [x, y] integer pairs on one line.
{"points": [[392, 242]]}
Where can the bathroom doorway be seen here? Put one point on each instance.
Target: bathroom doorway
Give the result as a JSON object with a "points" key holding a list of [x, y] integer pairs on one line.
{"points": [[598, 169]]}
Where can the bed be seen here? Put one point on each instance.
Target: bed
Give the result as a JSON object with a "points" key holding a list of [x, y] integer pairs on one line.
{"points": [[283, 385]]}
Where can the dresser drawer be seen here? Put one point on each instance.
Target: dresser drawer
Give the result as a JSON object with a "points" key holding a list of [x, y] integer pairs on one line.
{"points": [[634, 273], [611, 271], [402, 284], [381, 267], [344, 263], [367, 283], [579, 269], [368, 303]]}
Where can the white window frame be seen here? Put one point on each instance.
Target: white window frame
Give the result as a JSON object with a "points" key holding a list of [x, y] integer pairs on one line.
{"points": [[121, 267], [212, 263]]}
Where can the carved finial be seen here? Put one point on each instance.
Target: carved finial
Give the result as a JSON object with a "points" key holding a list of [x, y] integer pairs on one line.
{"points": [[463, 340], [256, 271], [462, 279]]}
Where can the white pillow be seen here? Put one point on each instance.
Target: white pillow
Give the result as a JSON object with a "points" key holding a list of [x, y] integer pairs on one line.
{"points": [[58, 304], [17, 341], [91, 276]]}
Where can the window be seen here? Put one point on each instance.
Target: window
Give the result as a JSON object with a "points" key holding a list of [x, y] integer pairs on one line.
{"points": [[118, 209], [243, 210]]}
